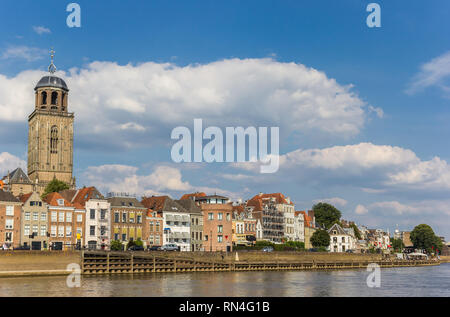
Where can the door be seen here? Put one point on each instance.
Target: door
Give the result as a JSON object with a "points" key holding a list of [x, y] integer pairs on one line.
{"points": [[36, 245]]}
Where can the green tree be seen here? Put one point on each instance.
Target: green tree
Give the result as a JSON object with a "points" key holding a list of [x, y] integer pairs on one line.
{"points": [[54, 186], [326, 214], [116, 245], [397, 244], [423, 237], [320, 238], [356, 230]]}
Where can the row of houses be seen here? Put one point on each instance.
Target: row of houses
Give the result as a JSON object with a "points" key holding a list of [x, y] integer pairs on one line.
{"points": [[84, 218]]}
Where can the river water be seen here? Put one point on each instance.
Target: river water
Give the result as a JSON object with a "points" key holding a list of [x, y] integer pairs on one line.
{"points": [[409, 281]]}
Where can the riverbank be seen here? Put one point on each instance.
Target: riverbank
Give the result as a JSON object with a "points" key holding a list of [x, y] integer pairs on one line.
{"points": [[47, 263]]}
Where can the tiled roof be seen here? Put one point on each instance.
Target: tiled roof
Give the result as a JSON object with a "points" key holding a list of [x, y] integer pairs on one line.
{"points": [[279, 198], [7, 196], [163, 203], [189, 196], [52, 200], [23, 198], [122, 202], [189, 205], [84, 194]]}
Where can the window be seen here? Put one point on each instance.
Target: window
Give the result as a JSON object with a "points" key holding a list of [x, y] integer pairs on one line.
{"points": [[27, 215], [54, 100], [151, 226], [102, 214], [35, 230], [102, 231], [68, 231], [61, 216], [139, 219], [9, 223], [26, 230], [206, 237], [54, 140], [124, 217], [157, 226], [219, 238], [131, 217], [44, 98], [69, 217], [220, 228], [228, 216], [53, 231], [343, 239], [92, 230], [335, 239], [43, 216], [157, 239], [210, 216], [61, 231], [116, 236], [60, 202], [54, 216], [10, 210], [116, 217], [220, 216], [80, 218], [43, 231], [92, 214], [124, 237]]}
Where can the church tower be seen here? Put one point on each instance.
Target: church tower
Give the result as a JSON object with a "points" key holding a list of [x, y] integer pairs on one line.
{"points": [[50, 133]]}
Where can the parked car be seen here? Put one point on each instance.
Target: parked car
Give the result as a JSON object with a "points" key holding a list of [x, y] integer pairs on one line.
{"points": [[349, 251], [170, 247], [313, 250], [154, 248], [267, 249], [136, 248]]}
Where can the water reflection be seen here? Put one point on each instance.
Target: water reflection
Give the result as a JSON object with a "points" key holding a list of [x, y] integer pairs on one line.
{"points": [[417, 281]]}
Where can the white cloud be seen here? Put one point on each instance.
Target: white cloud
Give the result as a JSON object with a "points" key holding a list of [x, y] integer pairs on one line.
{"points": [[9, 162], [30, 54], [41, 30], [164, 179], [361, 210], [335, 201], [158, 97], [374, 168], [433, 73]]}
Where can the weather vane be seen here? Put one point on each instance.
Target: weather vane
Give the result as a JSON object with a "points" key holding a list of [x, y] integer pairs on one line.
{"points": [[52, 67]]}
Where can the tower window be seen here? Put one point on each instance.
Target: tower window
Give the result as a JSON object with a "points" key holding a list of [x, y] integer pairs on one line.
{"points": [[54, 140], [44, 98], [54, 98]]}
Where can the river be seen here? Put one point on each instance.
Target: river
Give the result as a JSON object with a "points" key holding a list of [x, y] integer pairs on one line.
{"points": [[408, 281]]}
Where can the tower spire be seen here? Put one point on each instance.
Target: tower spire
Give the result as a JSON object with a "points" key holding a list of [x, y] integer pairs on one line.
{"points": [[52, 67]]}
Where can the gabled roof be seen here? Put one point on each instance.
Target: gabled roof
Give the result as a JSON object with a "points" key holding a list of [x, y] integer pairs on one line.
{"points": [[338, 229], [162, 203], [19, 177], [7, 196], [125, 202], [84, 194], [52, 200]]}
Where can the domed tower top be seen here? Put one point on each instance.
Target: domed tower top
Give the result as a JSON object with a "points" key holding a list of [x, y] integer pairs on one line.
{"points": [[51, 91]]}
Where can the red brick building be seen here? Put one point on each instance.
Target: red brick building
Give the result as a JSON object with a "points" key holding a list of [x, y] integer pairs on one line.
{"points": [[10, 220], [153, 229]]}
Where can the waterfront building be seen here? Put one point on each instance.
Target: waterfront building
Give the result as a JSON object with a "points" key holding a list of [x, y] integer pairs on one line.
{"points": [[153, 229], [276, 213], [217, 222], [17, 182], [244, 215], [310, 227], [10, 220], [50, 133], [196, 222], [127, 217], [95, 232], [34, 221], [340, 239], [177, 220], [299, 226], [61, 221], [238, 234]]}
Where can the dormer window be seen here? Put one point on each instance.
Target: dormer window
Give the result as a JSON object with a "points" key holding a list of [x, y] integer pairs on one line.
{"points": [[60, 202]]}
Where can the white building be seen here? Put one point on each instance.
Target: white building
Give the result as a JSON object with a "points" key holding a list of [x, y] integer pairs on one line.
{"points": [[340, 240], [299, 226], [177, 229]]}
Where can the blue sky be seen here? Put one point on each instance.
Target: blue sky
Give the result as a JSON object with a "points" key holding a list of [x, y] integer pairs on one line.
{"points": [[400, 70]]}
